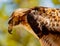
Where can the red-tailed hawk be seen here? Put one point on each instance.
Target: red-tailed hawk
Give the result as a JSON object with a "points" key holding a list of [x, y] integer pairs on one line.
{"points": [[44, 23]]}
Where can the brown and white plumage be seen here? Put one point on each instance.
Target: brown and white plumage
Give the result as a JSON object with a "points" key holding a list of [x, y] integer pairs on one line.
{"points": [[42, 21]]}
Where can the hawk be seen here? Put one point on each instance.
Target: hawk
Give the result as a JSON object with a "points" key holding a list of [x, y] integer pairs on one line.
{"points": [[43, 21]]}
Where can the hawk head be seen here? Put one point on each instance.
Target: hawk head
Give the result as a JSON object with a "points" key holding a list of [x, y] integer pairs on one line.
{"points": [[24, 17]]}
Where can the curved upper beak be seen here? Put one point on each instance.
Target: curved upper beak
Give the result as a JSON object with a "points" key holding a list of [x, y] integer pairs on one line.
{"points": [[10, 28]]}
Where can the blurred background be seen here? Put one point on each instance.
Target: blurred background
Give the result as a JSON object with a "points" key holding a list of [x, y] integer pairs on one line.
{"points": [[24, 38]]}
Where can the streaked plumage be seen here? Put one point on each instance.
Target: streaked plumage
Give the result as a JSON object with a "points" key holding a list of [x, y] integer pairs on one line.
{"points": [[43, 21]]}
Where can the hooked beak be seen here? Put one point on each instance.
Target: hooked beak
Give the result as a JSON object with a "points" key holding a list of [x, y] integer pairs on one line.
{"points": [[13, 22], [10, 28], [10, 31]]}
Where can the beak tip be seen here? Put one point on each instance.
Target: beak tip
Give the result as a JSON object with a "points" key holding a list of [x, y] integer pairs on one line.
{"points": [[10, 31]]}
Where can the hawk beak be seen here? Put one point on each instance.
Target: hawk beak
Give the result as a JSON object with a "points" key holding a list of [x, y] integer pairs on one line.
{"points": [[10, 31], [10, 28]]}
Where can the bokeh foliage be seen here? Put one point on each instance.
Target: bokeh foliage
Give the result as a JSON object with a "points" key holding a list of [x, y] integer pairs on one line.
{"points": [[56, 2], [27, 3]]}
